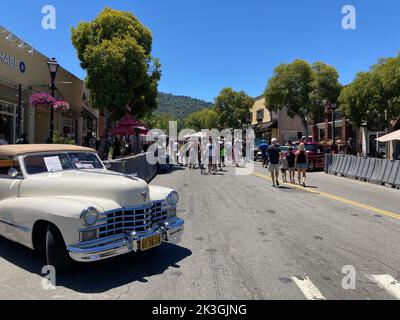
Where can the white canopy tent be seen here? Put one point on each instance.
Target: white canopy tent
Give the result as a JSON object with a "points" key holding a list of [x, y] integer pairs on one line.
{"points": [[390, 137]]}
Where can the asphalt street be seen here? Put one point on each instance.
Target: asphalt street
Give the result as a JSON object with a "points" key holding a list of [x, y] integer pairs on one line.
{"points": [[244, 239]]}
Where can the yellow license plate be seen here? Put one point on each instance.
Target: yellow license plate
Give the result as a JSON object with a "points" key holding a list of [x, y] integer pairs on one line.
{"points": [[150, 242]]}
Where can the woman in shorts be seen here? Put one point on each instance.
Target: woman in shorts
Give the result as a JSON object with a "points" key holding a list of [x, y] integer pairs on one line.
{"points": [[301, 164]]}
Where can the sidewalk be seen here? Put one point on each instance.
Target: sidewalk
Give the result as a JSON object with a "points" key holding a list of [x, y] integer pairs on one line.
{"points": [[366, 193]]}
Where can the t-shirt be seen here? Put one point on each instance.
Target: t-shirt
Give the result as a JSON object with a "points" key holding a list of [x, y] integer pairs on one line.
{"points": [[284, 163], [263, 148], [301, 157], [273, 154]]}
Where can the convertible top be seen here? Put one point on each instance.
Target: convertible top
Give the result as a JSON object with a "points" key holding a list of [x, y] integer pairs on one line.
{"points": [[20, 149]]}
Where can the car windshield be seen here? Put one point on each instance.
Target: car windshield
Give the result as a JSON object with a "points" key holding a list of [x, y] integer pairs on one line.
{"points": [[55, 162]]}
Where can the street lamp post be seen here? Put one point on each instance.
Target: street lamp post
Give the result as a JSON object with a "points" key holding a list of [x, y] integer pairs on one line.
{"points": [[329, 106], [53, 68]]}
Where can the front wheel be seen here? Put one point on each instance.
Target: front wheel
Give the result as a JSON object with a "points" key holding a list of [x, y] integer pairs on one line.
{"points": [[311, 166], [56, 251]]}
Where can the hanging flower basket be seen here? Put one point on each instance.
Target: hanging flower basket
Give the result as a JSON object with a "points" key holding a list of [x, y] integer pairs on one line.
{"points": [[42, 101], [61, 105]]}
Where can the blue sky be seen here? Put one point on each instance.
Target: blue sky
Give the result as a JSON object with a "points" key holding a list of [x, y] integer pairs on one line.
{"points": [[205, 45]]}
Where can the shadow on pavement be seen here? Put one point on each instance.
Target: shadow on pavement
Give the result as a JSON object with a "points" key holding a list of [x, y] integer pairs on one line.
{"points": [[104, 275]]}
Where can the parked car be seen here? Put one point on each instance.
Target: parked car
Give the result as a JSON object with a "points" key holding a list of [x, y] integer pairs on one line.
{"points": [[316, 157], [62, 201]]}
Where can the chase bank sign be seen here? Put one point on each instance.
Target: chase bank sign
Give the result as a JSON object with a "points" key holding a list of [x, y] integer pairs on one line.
{"points": [[12, 62]]}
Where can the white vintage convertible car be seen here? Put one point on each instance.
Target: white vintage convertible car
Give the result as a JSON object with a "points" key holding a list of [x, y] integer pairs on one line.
{"points": [[62, 201]]}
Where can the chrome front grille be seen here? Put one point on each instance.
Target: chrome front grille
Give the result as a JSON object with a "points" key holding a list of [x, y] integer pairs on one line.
{"points": [[132, 220]]}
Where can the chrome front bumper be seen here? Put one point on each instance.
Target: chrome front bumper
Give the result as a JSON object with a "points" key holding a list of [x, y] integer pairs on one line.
{"points": [[170, 232]]}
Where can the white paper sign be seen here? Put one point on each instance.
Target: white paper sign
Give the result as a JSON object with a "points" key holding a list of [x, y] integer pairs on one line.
{"points": [[53, 164], [87, 166]]}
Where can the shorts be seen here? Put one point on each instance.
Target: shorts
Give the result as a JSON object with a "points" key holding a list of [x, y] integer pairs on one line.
{"points": [[301, 166], [273, 167], [291, 169], [284, 169]]}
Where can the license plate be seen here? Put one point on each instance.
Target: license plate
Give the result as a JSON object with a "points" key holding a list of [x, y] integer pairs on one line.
{"points": [[150, 242]]}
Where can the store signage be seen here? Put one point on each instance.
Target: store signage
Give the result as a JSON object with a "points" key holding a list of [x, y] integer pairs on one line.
{"points": [[12, 62]]}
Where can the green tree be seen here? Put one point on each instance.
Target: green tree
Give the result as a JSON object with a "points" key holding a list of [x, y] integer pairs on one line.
{"points": [[362, 100], [115, 50], [325, 88], [302, 89], [158, 121], [373, 97], [290, 87], [203, 119], [232, 108]]}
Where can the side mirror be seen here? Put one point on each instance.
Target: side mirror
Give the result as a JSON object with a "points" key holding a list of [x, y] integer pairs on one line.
{"points": [[12, 172], [108, 165]]}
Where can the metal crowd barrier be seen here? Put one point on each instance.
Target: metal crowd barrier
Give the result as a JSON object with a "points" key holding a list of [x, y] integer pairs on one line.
{"points": [[379, 171], [137, 165]]}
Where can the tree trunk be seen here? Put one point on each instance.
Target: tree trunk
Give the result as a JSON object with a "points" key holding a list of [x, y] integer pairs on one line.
{"points": [[104, 143]]}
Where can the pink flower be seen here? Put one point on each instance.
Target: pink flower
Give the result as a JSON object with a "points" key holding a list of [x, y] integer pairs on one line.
{"points": [[42, 99], [61, 105]]}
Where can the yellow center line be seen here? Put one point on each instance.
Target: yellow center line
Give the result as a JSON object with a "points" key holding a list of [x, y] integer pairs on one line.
{"points": [[337, 198]]}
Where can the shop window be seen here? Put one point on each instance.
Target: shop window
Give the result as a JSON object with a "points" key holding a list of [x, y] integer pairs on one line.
{"points": [[7, 122], [260, 115]]}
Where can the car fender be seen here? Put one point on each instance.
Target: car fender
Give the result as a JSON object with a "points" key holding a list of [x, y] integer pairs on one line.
{"points": [[21, 214]]}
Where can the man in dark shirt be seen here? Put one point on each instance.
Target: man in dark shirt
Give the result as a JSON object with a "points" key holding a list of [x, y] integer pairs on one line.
{"points": [[263, 149], [274, 154]]}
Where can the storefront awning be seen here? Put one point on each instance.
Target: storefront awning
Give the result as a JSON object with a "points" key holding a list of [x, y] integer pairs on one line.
{"points": [[265, 126], [390, 137]]}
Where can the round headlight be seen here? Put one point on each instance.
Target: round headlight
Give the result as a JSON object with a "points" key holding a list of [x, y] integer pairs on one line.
{"points": [[173, 198], [89, 216]]}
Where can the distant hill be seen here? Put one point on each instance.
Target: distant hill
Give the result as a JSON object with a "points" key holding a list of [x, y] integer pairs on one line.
{"points": [[179, 107]]}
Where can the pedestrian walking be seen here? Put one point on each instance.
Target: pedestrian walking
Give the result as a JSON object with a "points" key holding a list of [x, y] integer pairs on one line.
{"points": [[116, 148], [291, 159], [228, 150], [211, 149], [222, 155], [301, 164], [349, 146], [274, 152], [284, 167], [237, 151], [193, 154], [263, 147]]}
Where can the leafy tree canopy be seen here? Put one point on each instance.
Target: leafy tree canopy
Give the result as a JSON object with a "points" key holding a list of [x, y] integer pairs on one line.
{"points": [[302, 88], [373, 97], [232, 108], [115, 50], [203, 119]]}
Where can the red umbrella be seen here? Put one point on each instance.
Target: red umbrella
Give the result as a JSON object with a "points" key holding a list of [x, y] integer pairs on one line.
{"points": [[127, 126]]}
